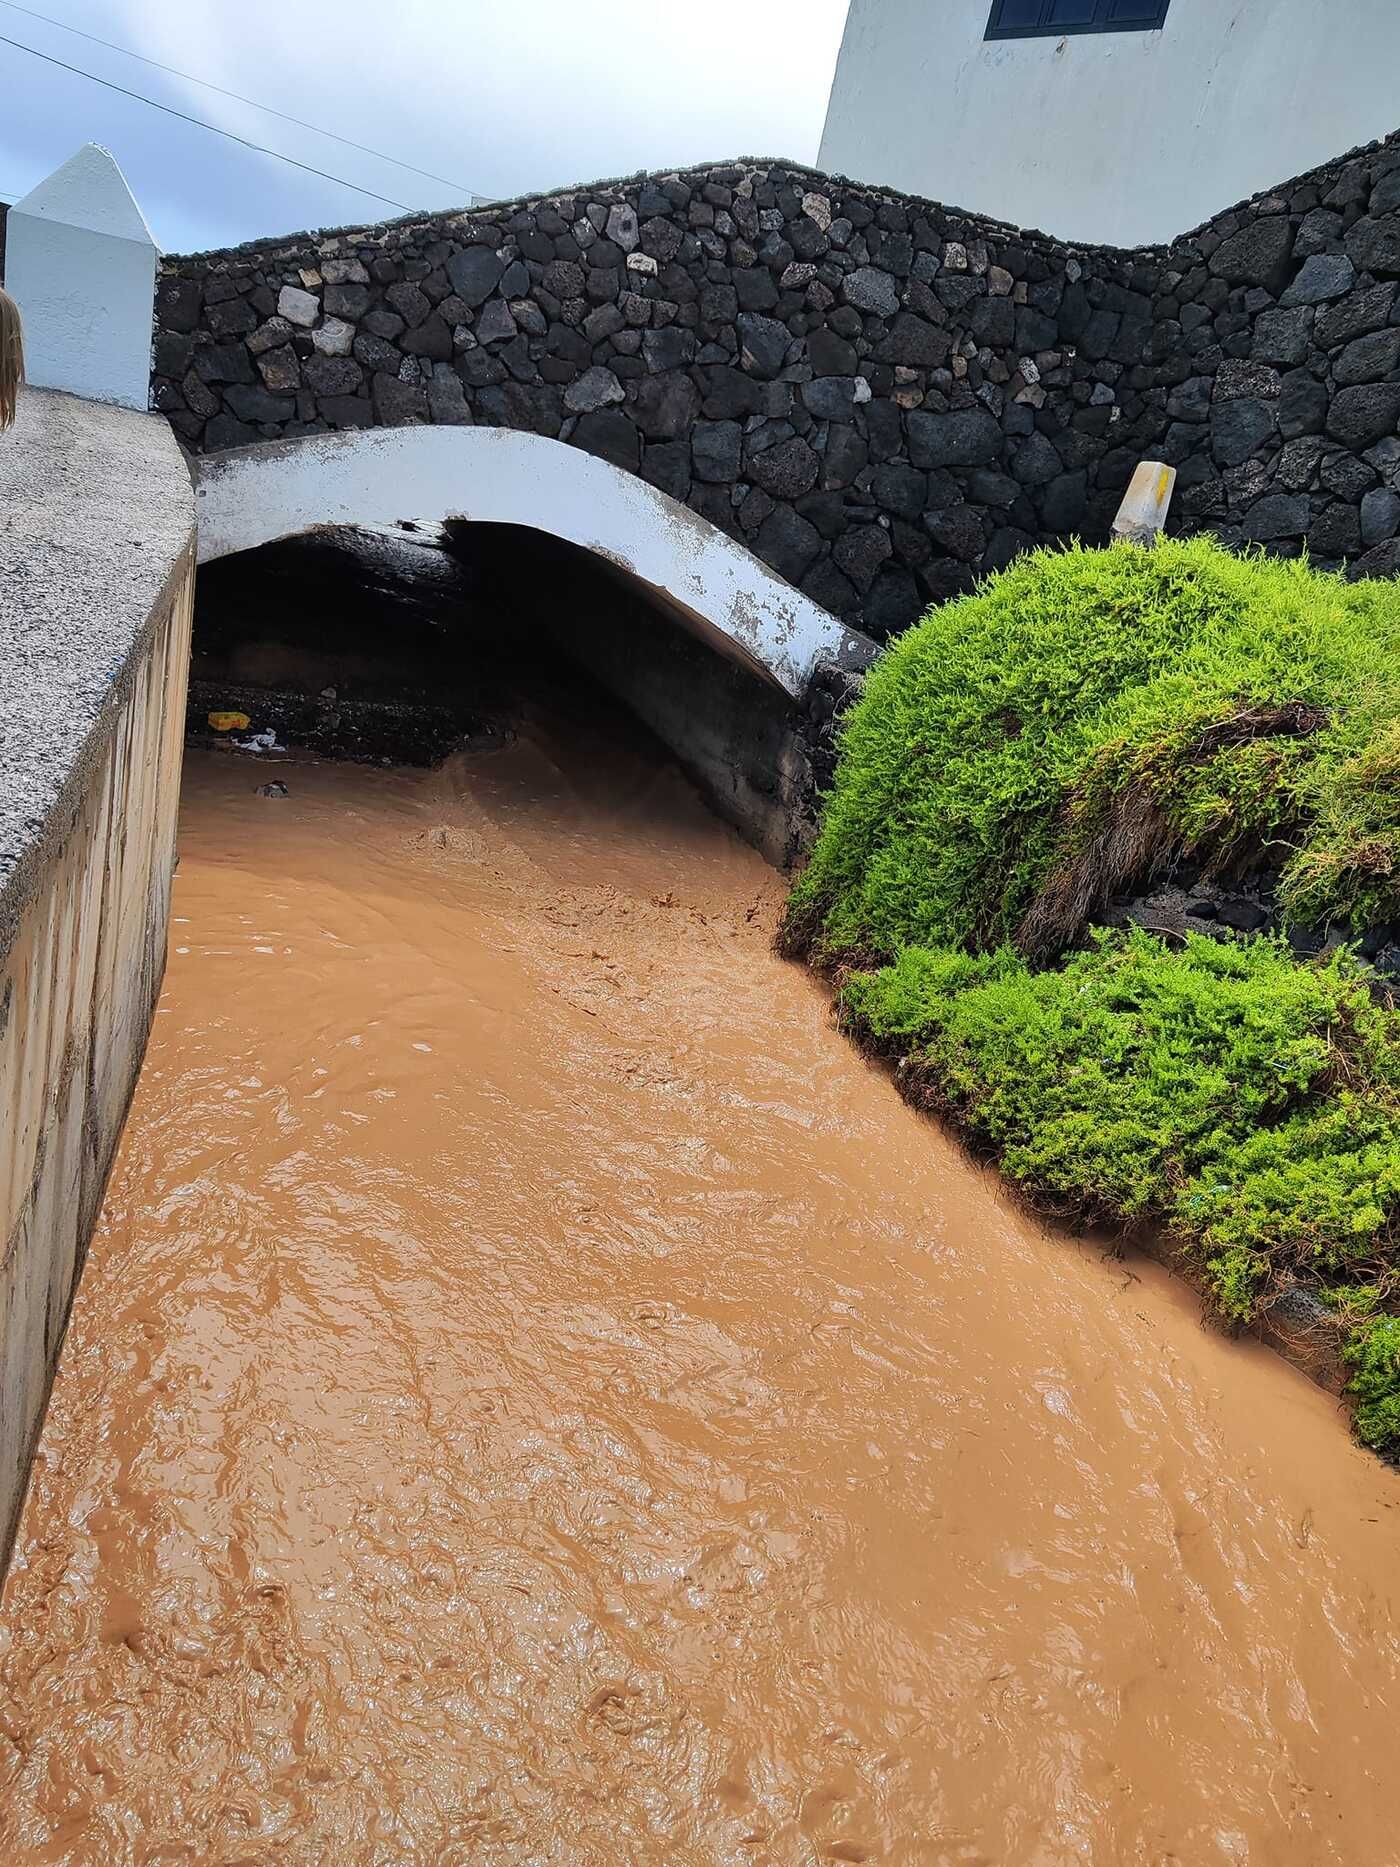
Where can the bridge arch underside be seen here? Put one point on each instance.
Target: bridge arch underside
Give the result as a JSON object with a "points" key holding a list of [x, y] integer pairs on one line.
{"points": [[388, 593]]}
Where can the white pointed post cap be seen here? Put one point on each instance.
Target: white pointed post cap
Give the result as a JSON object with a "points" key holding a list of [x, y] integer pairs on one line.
{"points": [[81, 264]]}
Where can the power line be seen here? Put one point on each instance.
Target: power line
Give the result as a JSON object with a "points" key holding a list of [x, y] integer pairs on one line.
{"points": [[200, 124], [237, 96]]}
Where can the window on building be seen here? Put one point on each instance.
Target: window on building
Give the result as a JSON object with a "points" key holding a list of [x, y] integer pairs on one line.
{"points": [[1037, 19]]}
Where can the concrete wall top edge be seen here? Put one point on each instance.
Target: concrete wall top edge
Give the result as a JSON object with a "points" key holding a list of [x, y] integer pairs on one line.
{"points": [[96, 519]]}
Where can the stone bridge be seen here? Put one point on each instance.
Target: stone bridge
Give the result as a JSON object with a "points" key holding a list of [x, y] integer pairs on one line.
{"points": [[877, 397]]}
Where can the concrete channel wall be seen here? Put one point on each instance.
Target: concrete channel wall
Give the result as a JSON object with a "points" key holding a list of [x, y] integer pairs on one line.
{"points": [[96, 584]]}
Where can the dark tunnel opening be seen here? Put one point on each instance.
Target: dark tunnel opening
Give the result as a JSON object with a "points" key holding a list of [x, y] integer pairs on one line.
{"points": [[402, 643]]}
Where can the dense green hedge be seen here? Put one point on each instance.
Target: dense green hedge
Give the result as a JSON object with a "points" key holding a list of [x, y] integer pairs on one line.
{"points": [[1090, 711], [1084, 721]]}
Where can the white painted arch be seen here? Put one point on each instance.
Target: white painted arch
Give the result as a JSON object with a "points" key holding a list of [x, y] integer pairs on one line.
{"points": [[250, 496]]}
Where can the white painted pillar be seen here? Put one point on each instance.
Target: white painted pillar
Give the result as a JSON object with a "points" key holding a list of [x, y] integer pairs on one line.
{"points": [[81, 264]]}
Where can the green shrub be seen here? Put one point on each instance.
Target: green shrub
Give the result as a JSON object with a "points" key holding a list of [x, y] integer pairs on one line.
{"points": [[1374, 1352], [1024, 752], [1084, 720], [1226, 1090]]}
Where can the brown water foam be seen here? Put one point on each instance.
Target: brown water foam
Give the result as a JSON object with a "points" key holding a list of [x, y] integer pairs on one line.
{"points": [[537, 1396]]}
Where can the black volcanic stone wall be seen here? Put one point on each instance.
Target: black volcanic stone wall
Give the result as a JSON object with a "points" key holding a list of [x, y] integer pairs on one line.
{"points": [[879, 396], [1278, 385]]}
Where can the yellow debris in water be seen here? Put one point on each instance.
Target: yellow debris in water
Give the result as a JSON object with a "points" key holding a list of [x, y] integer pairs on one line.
{"points": [[229, 722]]}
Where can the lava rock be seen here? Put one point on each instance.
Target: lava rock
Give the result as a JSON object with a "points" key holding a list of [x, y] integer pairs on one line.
{"points": [[832, 398], [925, 395], [280, 369], [251, 404], [899, 489], [666, 406], [178, 305], [1283, 336], [958, 530], [1358, 312], [1334, 533], [1368, 359], [397, 404], [967, 438], [1302, 405], [332, 375], [1346, 476], [1259, 254], [1359, 416], [860, 552], [1243, 916], [596, 388], [347, 301], [1324, 276], [1064, 507], [667, 349], [716, 448], [830, 355], [1240, 377], [1279, 515], [611, 436], [1373, 244], [1380, 516], [915, 343], [1239, 429], [1035, 462], [298, 307], [1190, 401], [475, 273], [786, 471], [869, 289], [763, 344], [408, 301], [789, 543]]}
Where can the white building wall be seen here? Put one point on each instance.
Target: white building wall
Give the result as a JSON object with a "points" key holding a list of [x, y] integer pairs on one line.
{"points": [[1116, 138]]}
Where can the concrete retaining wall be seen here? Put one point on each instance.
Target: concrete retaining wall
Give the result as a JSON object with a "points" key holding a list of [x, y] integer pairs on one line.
{"points": [[96, 584]]}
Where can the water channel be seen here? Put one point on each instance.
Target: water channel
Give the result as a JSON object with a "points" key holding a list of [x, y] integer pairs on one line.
{"points": [[537, 1396]]}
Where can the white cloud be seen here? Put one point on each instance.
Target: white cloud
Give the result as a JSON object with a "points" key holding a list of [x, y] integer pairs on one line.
{"points": [[503, 99]]}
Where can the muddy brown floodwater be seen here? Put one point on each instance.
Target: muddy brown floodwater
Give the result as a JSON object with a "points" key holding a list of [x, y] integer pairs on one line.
{"points": [[537, 1396]]}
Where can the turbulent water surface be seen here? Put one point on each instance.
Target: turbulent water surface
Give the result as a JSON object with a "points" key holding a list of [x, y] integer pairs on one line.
{"points": [[536, 1396]]}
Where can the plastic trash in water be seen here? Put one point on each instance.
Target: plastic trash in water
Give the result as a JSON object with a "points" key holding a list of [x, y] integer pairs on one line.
{"points": [[265, 741], [275, 789], [229, 722]]}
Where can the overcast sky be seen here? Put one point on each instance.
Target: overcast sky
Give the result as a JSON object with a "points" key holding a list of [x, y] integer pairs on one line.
{"points": [[499, 98]]}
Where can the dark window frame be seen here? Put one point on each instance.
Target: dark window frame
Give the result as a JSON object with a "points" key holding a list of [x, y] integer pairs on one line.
{"points": [[1102, 23]]}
